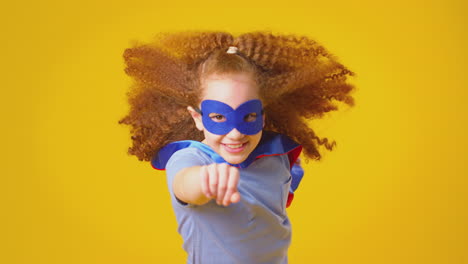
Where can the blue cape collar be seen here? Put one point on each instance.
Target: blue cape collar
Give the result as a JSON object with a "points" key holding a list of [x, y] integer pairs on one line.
{"points": [[270, 144]]}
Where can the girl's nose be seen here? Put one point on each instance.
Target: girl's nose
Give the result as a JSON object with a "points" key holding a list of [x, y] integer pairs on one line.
{"points": [[235, 134]]}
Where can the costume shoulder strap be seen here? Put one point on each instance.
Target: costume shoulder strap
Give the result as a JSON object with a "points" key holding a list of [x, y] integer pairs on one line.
{"points": [[160, 160]]}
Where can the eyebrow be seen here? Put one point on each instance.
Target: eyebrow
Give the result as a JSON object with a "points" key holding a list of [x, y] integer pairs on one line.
{"points": [[201, 113]]}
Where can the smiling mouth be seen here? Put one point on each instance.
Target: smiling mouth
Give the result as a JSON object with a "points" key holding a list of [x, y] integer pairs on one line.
{"points": [[234, 148]]}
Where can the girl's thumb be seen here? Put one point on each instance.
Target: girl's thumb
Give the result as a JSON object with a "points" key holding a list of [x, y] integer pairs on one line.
{"points": [[235, 197]]}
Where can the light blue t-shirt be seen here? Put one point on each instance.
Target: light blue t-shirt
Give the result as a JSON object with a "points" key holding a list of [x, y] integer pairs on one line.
{"points": [[254, 230]]}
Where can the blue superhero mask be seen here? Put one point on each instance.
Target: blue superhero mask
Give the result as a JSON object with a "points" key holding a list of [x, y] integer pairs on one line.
{"points": [[247, 118]]}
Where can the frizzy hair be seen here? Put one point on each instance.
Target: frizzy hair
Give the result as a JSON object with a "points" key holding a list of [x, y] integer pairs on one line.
{"points": [[298, 79]]}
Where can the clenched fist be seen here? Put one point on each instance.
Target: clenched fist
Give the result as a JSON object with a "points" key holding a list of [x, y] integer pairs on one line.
{"points": [[219, 181]]}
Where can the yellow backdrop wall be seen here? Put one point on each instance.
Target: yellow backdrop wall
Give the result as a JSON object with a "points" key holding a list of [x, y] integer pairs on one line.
{"points": [[393, 191]]}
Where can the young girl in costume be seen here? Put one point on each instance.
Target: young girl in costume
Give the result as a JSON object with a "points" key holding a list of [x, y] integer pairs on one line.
{"points": [[226, 117]]}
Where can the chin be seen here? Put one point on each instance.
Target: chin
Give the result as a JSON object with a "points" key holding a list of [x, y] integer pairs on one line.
{"points": [[235, 160]]}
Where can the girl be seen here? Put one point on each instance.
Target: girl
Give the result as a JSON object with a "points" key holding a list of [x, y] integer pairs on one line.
{"points": [[226, 117]]}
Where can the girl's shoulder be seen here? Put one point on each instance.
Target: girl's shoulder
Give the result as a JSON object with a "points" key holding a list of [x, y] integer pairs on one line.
{"points": [[275, 144], [182, 151]]}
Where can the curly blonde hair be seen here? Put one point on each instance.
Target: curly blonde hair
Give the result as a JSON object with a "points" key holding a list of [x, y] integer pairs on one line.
{"points": [[298, 79]]}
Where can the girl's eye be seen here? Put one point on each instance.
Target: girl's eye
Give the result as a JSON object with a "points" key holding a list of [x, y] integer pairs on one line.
{"points": [[217, 117], [250, 117]]}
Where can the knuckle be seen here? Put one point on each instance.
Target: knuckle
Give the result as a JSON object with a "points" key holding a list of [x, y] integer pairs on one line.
{"points": [[222, 167], [203, 172], [233, 169], [212, 169], [214, 177], [232, 186]]}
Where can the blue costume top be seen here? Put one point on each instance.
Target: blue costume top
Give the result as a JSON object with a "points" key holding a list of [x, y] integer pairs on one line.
{"points": [[254, 230]]}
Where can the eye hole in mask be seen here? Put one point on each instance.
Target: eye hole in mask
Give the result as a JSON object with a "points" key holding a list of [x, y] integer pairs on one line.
{"points": [[252, 117], [219, 118]]}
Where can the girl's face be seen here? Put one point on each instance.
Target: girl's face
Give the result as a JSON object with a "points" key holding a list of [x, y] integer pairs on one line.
{"points": [[233, 90]]}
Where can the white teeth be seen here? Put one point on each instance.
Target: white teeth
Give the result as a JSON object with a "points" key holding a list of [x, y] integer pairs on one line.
{"points": [[235, 146]]}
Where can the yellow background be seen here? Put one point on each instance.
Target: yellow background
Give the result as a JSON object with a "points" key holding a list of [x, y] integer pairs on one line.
{"points": [[393, 191]]}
